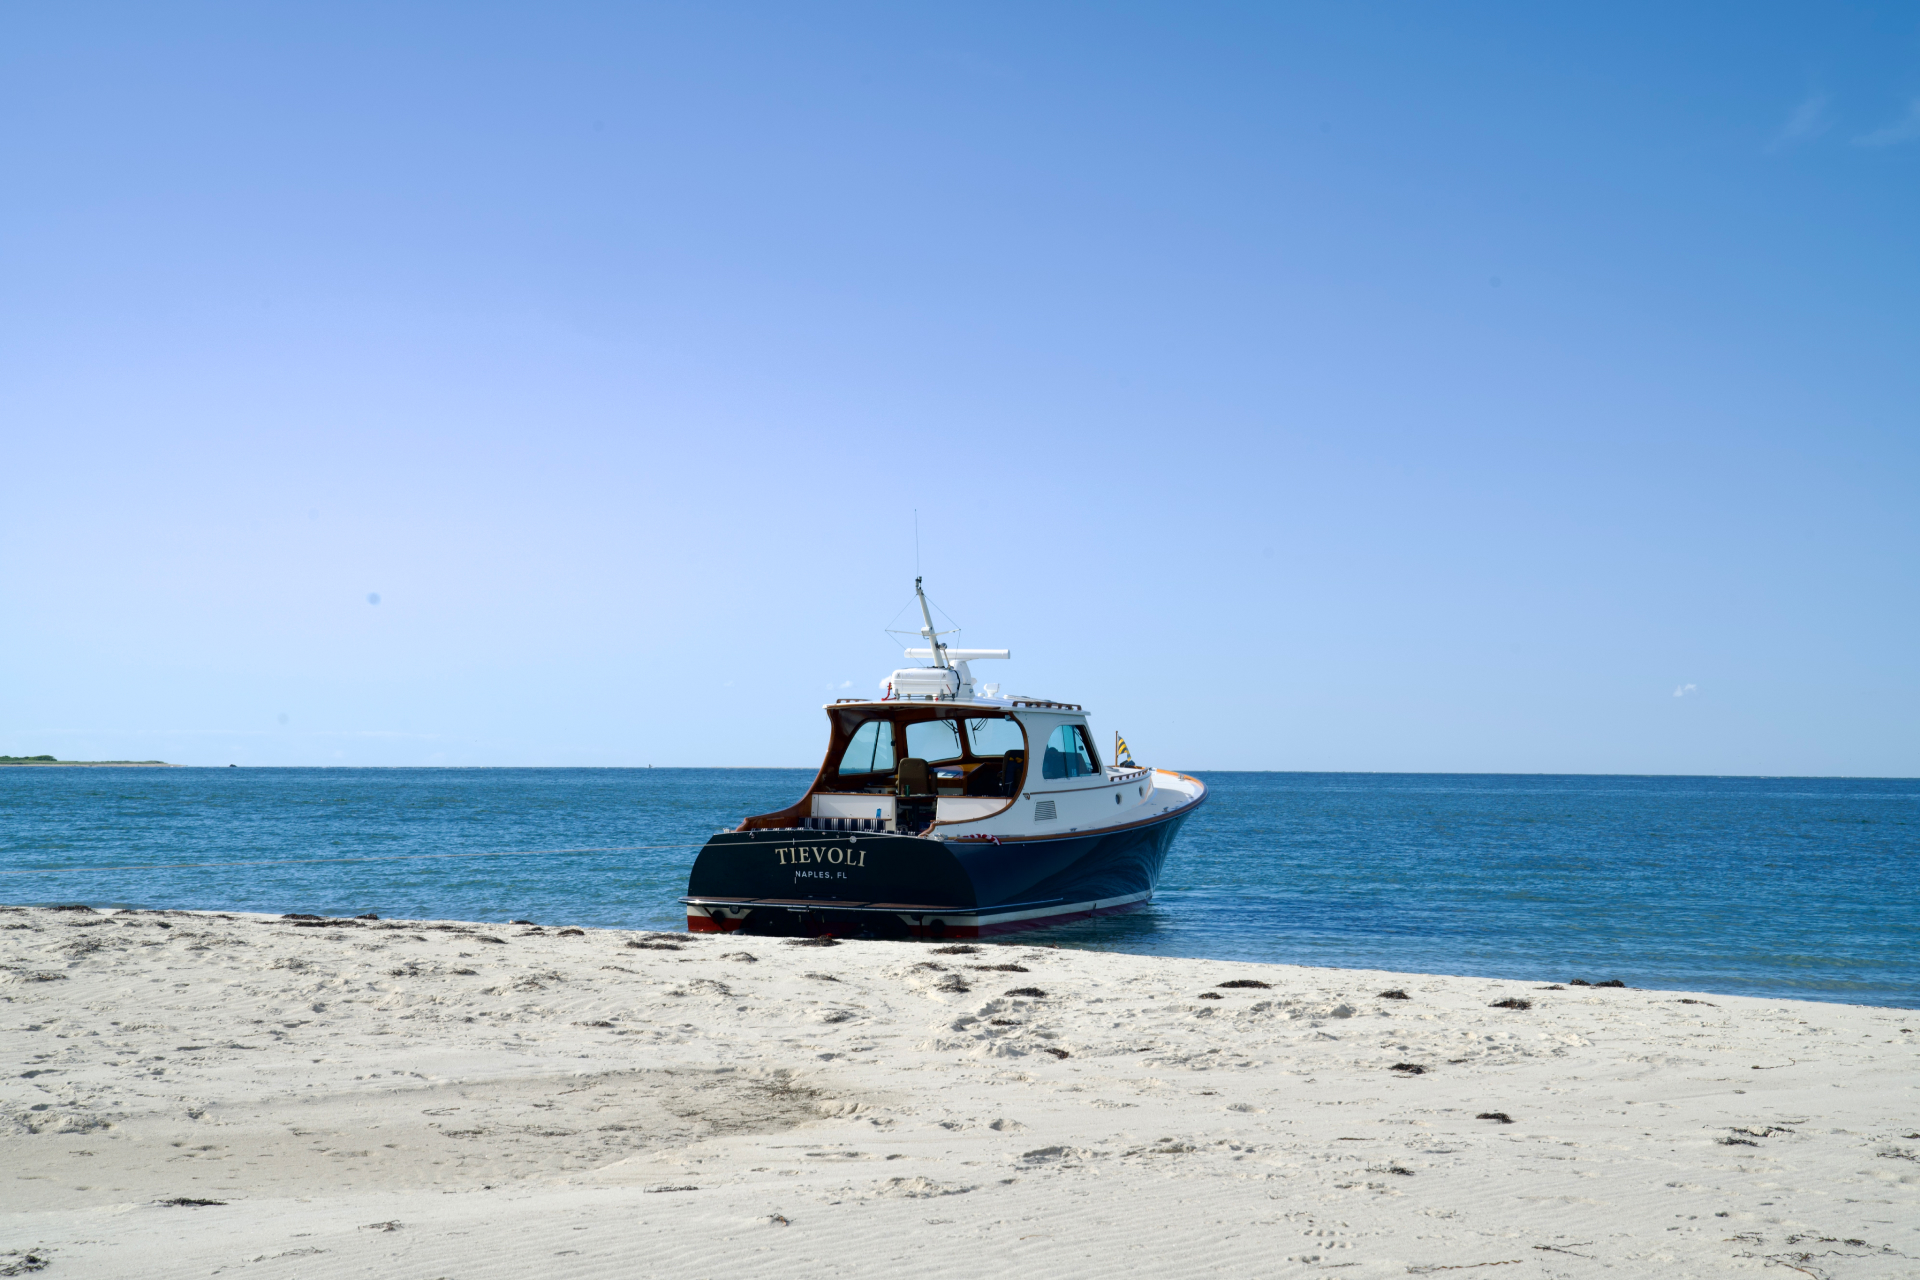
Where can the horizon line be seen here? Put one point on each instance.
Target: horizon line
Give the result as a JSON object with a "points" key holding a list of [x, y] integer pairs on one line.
{"points": [[1381, 773]]}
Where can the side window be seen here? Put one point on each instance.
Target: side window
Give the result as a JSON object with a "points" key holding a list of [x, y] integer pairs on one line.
{"points": [[932, 740], [1067, 755], [995, 736], [871, 750]]}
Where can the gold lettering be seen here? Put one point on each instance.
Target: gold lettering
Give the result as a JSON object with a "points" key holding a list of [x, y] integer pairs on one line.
{"points": [[801, 854]]}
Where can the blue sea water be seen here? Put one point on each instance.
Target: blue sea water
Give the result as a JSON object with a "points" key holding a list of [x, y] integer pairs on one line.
{"points": [[1796, 887]]}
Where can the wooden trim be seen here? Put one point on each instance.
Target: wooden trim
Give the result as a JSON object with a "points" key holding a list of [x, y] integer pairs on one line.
{"points": [[899, 714], [948, 822]]}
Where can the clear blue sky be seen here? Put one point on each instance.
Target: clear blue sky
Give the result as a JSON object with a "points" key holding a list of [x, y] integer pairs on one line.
{"points": [[1377, 387]]}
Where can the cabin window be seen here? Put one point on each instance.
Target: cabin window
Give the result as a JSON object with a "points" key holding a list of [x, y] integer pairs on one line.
{"points": [[994, 736], [1068, 755], [871, 750], [932, 740]]}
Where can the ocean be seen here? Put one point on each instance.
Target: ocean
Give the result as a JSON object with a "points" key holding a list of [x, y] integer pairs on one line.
{"points": [[1806, 888]]}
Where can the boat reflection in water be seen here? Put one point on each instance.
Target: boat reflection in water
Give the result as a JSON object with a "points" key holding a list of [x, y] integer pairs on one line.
{"points": [[942, 810]]}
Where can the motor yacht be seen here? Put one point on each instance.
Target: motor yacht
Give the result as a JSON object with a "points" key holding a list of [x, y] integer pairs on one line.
{"points": [[944, 809]]}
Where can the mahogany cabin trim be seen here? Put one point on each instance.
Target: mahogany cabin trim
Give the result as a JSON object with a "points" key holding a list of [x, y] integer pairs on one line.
{"points": [[845, 718]]}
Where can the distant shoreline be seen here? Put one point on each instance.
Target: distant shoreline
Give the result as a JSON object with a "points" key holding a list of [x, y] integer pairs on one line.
{"points": [[86, 764], [810, 768]]}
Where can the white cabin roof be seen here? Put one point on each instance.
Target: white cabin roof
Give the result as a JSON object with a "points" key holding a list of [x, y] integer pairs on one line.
{"points": [[979, 700]]}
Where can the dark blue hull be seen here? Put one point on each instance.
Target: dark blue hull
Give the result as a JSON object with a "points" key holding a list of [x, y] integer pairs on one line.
{"points": [[800, 882]]}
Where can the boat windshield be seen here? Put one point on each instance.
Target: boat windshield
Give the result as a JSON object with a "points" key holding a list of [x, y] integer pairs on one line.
{"points": [[1068, 755], [933, 740], [980, 755], [871, 750], [994, 736]]}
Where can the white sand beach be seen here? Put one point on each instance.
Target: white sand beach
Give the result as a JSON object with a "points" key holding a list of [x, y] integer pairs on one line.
{"points": [[407, 1099]]}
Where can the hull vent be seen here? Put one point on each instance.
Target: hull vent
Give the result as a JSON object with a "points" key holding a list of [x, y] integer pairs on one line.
{"points": [[1043, 811]]}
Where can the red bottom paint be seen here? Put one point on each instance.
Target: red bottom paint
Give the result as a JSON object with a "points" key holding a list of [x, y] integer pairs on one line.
{"points": [[698, 922]]}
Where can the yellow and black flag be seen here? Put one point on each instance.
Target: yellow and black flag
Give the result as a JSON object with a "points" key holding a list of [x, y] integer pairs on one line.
{"points": [[1122, 754]]}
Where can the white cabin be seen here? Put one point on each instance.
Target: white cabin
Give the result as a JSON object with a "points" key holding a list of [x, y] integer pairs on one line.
{"points": [[937, 756]]}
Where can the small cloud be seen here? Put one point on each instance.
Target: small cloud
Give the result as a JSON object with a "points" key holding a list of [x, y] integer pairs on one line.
{"points": [[1905, 129], [846, 684], [1685, 689], [1808, 120]]}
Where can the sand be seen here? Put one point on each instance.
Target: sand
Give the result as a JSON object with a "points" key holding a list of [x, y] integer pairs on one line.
{"points": [[408, 1099]]}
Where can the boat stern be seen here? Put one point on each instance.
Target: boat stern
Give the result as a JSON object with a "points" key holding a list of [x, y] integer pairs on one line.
{"points": [[796, 881]]}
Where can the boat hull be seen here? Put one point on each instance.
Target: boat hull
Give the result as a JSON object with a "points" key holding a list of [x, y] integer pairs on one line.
{"points": [[794, 882]]}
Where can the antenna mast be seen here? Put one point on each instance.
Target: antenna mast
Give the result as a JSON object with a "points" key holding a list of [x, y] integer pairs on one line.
{"points": [[933, 637]]}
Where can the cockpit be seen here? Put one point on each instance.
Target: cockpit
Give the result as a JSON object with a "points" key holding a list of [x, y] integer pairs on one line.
{"points": [[930, 754], [901, 767]]}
